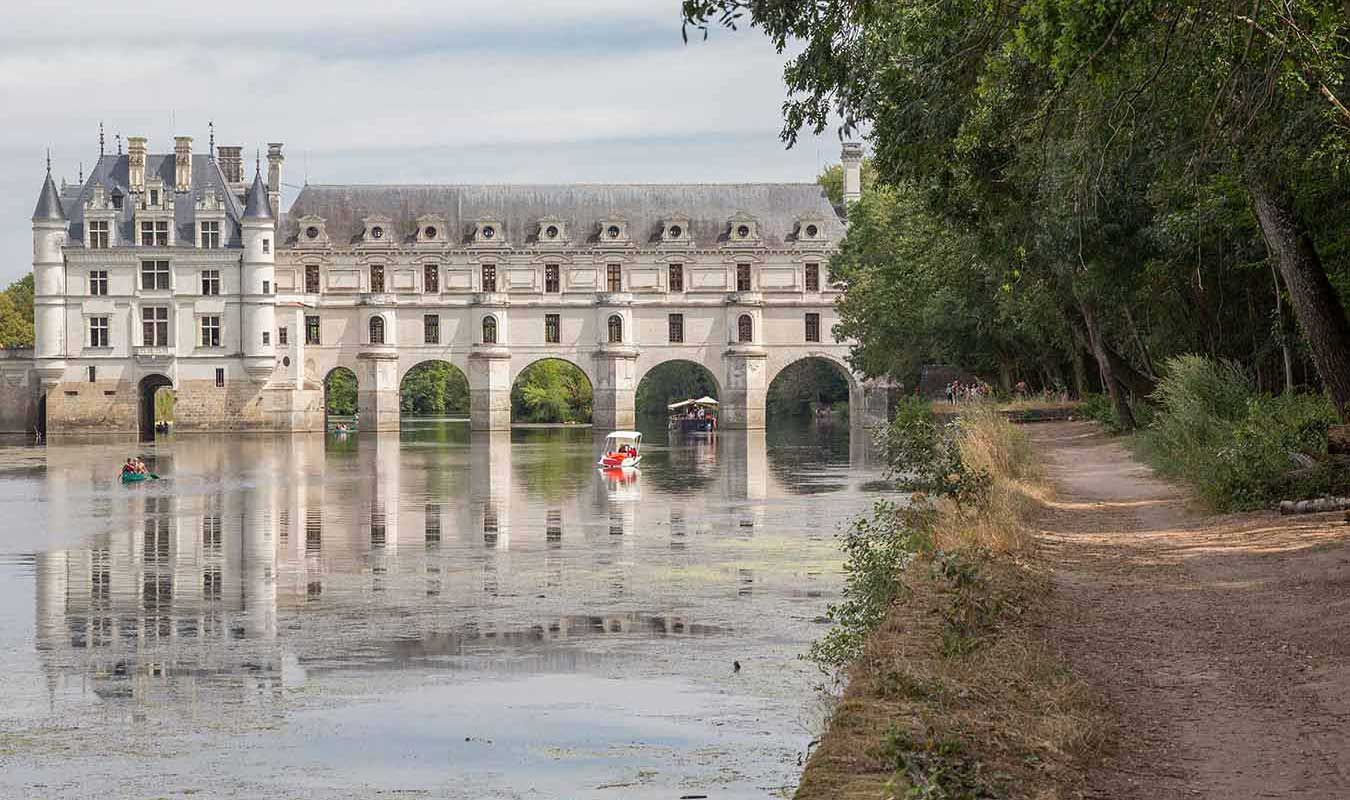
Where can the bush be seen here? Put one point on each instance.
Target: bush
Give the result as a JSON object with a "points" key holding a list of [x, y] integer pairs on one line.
{"points": [[1240, 449]]}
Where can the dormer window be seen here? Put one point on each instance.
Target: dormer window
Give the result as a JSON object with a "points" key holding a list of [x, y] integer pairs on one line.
{"points": [[98, 235], [117, 199], [155, 234], [311, 232], [742, 231], [377, 232], [154, 197], [613, 231], [430, 228], [210, 235], [812, 231], [675, 232], [429, 231], [377, 228], [551, 232]]}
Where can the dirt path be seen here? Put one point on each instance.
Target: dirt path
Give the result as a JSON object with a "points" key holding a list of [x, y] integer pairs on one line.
{"points": [[1221, 641]]}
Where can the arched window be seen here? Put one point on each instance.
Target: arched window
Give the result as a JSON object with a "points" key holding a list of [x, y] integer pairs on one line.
{"points": [[616, 328], [745, 329], [489, 330], [377, 330]]}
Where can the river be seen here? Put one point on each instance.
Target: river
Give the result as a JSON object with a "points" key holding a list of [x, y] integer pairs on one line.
{"points": [[432, 613]]}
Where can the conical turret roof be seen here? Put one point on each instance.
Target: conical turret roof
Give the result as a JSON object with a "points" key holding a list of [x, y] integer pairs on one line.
{"points": [[258, 206], [49, 203]]}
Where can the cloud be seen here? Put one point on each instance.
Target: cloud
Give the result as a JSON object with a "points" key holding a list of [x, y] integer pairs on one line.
{"points": [[394, 91]]}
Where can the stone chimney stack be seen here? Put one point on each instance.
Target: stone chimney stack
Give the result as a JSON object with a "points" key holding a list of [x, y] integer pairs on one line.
{"points": [[852, 158], [231, 161], [274, 159], [136, 163], [182, 163]]}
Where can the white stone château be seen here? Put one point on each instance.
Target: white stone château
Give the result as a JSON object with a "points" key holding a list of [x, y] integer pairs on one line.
{"points": [[174, 270]]}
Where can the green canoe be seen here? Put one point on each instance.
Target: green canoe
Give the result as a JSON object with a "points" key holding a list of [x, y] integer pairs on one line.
{"points": [[137, 477]]}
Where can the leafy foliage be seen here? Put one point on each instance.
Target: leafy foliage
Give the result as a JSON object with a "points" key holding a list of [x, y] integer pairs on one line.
{"points": [[340, 392], [434, 389], [804, 386], [16, 313], [551, 390], [673, 381], [924, 455]]}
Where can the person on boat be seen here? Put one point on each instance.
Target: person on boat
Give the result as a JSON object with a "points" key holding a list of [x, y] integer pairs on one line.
{"points": [[129, 468], [139, 467]]}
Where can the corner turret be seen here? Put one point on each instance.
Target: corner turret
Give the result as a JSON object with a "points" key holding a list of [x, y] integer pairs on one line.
{"points": [[257, 289]]}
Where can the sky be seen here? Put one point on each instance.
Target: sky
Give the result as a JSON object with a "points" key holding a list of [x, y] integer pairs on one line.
{"points": [[393, 92]]}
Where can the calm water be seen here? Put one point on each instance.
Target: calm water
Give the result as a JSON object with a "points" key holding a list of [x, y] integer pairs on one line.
{"points": [[439, 613]]}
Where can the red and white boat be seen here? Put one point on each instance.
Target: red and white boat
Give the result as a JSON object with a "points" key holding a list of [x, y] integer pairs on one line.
{"points": [[623, 450]]}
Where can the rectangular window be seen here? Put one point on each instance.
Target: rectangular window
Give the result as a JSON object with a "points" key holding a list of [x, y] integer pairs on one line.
{"points": [[211, 235], [93, 374], [155, 234], [267, 245], [311, 330], [376, 278], [552, 328], [267, 337], [742, 277], [551, 283], [312, 279], [210, 331], [98, 282], [154, 275], [677, 277], [431, 278], [220, 377], [155, 326], [676, 328], [98, 235], [281, 335], [154, 197], [614, 277], [431, 329], [267, 287], [98, 331], [812, 277], [812, 327], [211, 281], [489, 277]]}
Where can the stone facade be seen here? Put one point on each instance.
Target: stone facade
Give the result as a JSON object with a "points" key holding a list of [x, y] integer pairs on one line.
{"points": [[169, 269]]}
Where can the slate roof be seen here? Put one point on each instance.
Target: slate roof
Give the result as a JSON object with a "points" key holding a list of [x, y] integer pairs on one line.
{"points": [[49, 203], [111, 172], [258, 206], [519, 208]]}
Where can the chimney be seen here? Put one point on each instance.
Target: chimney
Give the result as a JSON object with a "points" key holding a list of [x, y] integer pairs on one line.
{"points": [[274, 159], [136, 163], [231, 161], [852, 156], [182, 163]]}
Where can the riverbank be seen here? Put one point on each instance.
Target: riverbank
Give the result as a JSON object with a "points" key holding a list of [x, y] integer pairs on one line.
{"points": [[1137, 648]]}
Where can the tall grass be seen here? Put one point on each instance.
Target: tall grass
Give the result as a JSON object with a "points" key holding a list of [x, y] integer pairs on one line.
{"points": [[1240, 449]]}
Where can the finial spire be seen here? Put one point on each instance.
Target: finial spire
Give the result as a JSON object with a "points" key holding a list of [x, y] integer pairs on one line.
{"points": [[119, 144], [81, 173], [257, 160], [49, 161], [211, 148], [100, 138]]}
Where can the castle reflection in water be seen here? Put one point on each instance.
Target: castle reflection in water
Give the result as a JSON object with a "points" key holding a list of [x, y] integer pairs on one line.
{"points": [[261, 555]]}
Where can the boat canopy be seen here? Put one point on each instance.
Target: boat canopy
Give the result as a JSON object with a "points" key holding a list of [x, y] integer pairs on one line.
{"points": [[624, 437], [702, 401]]}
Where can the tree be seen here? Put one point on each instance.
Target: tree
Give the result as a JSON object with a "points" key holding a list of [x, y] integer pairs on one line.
{"points": [[340, 392], [434, 389], [16, 313], [831, 179], [551, 390], [673, 381]]}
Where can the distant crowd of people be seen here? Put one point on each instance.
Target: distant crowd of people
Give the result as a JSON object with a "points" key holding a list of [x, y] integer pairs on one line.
{"points": [[959, 391]]}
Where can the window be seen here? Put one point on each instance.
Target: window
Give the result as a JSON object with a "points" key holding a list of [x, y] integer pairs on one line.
{"points": [[267, 337], [431, 278], [745, 329], [614, 277], [551, 284], [616, 328], [489, 277], [676, 328], [98, 282], [281, 335], [98, 331], [98, 235], [431, 329], [267, 245], [812, 327], [677, 277], [312, 279], [211, 235], [155, 326], [93, 374], [155, 234], [742, 277], [220, 377], [812, 277], [311, 330], [211, 281], [552, 328], [210, 331], [377, 330], [154, 275], [154, 197], [377, 277], [489, 330]]}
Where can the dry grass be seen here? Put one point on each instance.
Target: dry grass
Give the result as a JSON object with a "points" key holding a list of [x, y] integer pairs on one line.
{"points": [[960, 675]]}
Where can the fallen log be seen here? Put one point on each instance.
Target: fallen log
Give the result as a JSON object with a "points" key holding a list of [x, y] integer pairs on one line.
{"points": [[1320, 505]]}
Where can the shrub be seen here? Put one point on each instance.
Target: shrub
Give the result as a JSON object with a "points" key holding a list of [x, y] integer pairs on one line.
{"points": [[1240, 449]]}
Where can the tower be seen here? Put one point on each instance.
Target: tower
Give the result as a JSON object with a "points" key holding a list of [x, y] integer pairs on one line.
{"points": [[49, 283], [256, 282]]}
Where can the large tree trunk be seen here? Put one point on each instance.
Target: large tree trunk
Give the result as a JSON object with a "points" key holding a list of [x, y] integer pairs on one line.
{"points": [[1123, 414], [1316, 306], [1080, 375], [1285, 350]]}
